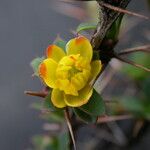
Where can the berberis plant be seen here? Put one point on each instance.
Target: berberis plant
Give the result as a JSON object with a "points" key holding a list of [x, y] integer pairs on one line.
{"points": [[70, 69]]}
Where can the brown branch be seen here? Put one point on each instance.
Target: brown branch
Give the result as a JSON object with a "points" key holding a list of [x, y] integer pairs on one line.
{"points": [[132, 63], [38, 94], [122, 10], [145, 48], [68, 120], [107, 17], [113, 118]]}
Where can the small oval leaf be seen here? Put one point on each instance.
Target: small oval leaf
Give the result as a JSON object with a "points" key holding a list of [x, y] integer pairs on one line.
{"points": [[95, 106], [35, 64], [113, 32], [95, 55], [86, 26], [60, 43], [84, 116]]}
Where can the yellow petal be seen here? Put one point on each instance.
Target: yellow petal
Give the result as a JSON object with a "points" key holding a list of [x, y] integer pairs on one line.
{"points": [[80, 45], [81, 99], [47, 71], [66, 86], [96, 67], [57, 98], [55, 52], [80, 79]]}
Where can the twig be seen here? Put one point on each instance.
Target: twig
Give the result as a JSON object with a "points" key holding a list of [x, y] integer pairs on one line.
{"points": [[67, 117], [145, 48], [113, 118], [122, 10], [137, 127], [132, 63], [38, 94], [107, 18]]}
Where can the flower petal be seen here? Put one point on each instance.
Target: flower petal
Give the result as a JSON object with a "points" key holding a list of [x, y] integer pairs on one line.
{"points": [[57, 98], [81, 99], [80, 79], [47, 71], [80, 45], [55, 52], [96, 67], [63, 85]]}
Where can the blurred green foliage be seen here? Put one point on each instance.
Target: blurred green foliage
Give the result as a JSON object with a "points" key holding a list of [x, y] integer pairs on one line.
{"points": [[136, 73], [47, 142], [138, 105]]}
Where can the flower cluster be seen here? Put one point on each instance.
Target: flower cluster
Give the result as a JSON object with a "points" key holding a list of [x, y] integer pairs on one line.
{"points": [[70, 74]]}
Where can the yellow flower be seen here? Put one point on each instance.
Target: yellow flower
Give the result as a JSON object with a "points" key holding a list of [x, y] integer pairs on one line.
{"points": [[70, 74]]}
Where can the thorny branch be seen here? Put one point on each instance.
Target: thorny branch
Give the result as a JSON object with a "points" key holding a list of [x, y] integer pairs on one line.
{"points": [[145, 48], [122, 10], [132, 63], [110, 10], [107, 17]]}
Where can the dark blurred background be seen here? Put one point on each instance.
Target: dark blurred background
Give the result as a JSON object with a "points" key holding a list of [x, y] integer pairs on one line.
{"points": [[26, 28]]}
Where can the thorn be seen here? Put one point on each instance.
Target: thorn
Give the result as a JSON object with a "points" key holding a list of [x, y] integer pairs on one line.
{"points": [[145, 48], [105, 119], [132, 63], [38, 94], [68, 120], [123, 10]]}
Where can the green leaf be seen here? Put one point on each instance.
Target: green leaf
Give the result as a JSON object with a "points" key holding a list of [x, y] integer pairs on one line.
{"points": [[48, 103], [60, 43], [84, 116], [86, 26], [55, 114], [95, 106], [146, 87], [35, 64], [146, 112], [113, 32], [95, 55]]}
